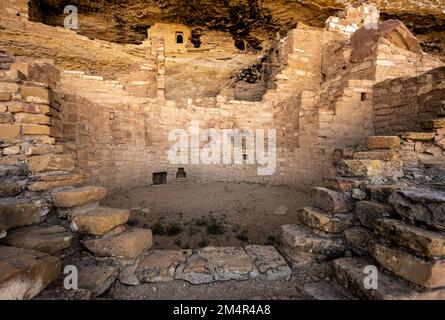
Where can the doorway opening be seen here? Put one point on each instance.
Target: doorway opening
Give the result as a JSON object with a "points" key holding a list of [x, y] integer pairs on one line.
{"points": [[159, 178]]}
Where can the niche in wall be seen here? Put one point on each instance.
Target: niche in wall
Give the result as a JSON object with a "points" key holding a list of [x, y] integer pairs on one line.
{"points": [[159, 178]]}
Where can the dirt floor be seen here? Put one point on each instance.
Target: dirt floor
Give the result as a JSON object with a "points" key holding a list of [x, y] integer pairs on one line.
{"points": [[191, 215]]}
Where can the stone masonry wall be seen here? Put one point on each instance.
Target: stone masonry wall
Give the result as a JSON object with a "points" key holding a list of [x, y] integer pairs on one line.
{"points": [[402, 104], [121, 140]]}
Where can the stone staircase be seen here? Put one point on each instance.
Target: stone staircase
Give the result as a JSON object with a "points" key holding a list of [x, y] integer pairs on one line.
{"points": [[374, 215]]}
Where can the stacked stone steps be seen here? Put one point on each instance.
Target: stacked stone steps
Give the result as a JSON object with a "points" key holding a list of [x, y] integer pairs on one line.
{"points": [[50, 169], [380, 155], [380, 160], [17, 212], [350, 273], [302, 245], [106, 235], [324, 221], [410, 258], [419, 136], [318, 235], [53, 240], [28, 249], [53, 180]]}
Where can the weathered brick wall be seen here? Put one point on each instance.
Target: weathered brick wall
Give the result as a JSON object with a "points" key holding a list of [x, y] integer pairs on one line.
{"points": [[402, 104], [121, 139], [29, 125]]}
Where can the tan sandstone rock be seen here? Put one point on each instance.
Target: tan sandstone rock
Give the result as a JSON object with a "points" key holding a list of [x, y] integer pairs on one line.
{"points": [[24, 273], [50, 240], [426, 273], [99, 221], [423, 242], [127, 245], [76, 197]]}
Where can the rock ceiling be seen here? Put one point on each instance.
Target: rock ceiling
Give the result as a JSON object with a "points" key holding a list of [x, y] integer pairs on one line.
{"points": [[253, 20]]}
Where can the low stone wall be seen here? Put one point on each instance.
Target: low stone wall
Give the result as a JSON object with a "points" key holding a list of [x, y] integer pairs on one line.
{"points": [[402, 104]]}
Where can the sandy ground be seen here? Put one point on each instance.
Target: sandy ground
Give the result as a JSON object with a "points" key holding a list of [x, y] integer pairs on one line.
{"points": [[190, 215], [181, 290]]}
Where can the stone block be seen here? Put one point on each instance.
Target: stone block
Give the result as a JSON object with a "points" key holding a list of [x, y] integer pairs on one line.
{"points": [[6, 117], [383, 142], [326, 222], [419, 136], [25, 273], [383, 155], [434, 124], [9, 131], [35, 94], [22, 212], [160, 265], [9, 188], [50, 163], [423, 242], [32, 118], [11, 151], [332, 201], [96, 278], [425, 273], [381, 193], [215, 264], [360, 168], [420, 206], [76, 197], [369, 212], [302, 239], [349, 272], [128, 245], [268, 264], [51, 240], [36, 129], [42, 149], [58, 182], [99, 221]]}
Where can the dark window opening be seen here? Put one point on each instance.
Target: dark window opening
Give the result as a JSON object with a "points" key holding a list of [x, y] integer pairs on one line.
{"points": [[181, 174], [196, 39], [244, 150], [159, 178], [240, 45], [363, 96], [179, 37]]}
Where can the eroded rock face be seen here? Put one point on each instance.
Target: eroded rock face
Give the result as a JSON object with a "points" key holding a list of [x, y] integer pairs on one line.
{"points": [[253, 21], [365, 41]]}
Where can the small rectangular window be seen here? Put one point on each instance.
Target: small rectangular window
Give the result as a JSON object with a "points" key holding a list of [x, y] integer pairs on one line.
{"points": [[159, 178], [179, 37]]}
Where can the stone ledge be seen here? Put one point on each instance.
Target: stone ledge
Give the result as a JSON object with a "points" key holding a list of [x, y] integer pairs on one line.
{"points": [[207, 265]]}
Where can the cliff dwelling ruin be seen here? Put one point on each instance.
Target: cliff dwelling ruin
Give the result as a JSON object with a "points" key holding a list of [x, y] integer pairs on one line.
{"points": [[235, 149]]}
